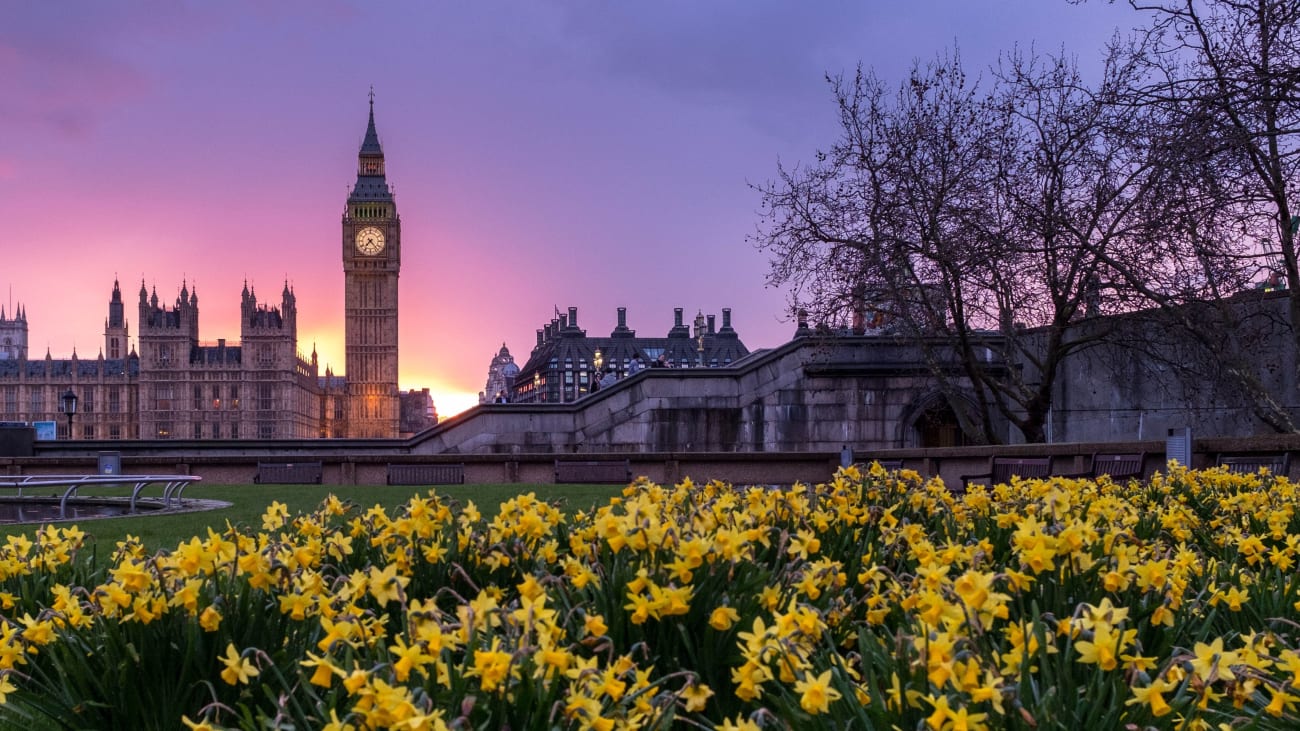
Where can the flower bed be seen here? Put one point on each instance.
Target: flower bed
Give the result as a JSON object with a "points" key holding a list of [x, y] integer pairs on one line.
{"points": [[874, 600]]}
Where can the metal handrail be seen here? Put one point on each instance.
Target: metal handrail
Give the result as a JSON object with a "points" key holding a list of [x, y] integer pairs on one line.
{"points": [[173, 485]]}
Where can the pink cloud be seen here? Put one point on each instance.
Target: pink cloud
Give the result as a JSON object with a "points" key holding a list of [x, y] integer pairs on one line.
{"points": [[63, 88]]}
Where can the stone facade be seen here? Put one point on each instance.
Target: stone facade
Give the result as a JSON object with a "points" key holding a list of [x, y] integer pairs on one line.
{"points": [[107, 394], [1146, 378], [13, 334], [502, 373], [565, 361], [418, 413], [260, 387], [811, 394], [180, 387], [372, 260]]}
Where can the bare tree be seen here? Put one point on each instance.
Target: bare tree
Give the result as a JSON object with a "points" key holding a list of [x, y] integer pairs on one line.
{"points": [[979, 222], [1219, 82]]}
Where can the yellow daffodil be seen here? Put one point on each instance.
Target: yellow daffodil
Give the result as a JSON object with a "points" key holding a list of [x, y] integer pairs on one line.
{"points": [[238, 670], [816, 694]]}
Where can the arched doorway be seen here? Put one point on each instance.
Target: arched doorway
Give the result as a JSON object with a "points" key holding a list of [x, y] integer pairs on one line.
{"points": [[931, 421], [938, 426]]}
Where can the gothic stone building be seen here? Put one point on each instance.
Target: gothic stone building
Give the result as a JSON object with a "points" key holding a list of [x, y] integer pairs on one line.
{"points": [[180, 387], [261, 387], [107, 388], [372, 260], [501, 378], [565, 360]]}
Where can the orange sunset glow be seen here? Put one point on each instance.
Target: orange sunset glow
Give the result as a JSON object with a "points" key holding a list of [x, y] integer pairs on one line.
{"points": [[542, 155]]}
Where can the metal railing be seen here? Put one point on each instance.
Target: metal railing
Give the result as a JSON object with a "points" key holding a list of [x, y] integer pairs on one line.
{"points": [[173, 485]]}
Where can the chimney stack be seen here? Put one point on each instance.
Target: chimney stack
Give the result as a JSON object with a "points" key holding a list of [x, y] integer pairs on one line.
{"points": [[711, 322], [573, 317], [539, 336], [677, 317], [726, 318], [622, 318]]}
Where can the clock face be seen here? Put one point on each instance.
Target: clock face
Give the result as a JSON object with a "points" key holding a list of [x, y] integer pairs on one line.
{"points": [[370, 241]]}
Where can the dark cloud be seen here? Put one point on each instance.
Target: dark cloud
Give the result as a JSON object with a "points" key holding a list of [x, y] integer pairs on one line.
{"points": [[64, 65], [766, 58]]}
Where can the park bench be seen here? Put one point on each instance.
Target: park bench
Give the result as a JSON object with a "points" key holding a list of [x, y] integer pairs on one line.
{"points": [[596, 471], [1118, 466], [1277, 464], [1002, 469], [288, 473], [888, 465], [426, 474]]}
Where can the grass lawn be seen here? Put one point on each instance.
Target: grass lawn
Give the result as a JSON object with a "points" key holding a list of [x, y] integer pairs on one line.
{"points": [[248, 502]]}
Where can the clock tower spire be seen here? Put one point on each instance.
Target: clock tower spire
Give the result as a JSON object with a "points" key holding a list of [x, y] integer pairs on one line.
{"points": [[371, 264]]}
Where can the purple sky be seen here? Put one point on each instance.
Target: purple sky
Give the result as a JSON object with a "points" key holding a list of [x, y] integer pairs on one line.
{"points": [[543, 154]]}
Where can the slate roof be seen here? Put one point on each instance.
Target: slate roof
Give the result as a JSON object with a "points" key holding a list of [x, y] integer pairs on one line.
{"points": [[212, 354], [63, 368]]}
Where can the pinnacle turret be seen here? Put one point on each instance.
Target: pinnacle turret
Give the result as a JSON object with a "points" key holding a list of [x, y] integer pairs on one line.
{"points": [[371, 184], [370, 145]]}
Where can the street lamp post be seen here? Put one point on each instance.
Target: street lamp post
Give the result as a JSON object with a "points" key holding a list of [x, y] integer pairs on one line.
{"points": [[70, 407]]}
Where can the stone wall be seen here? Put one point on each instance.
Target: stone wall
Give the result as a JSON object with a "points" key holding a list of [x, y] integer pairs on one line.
{"points": [[1147, 377], [810, 394]]}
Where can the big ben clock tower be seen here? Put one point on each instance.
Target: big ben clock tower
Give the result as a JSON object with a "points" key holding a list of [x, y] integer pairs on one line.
{"points": [[372, 258]]}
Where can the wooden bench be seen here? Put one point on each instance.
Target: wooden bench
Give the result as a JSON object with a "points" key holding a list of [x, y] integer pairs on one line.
{"points": [[1002, 469], [288, 473], [1249, 464], [1118, 466], [595, 471], [426, 474]]}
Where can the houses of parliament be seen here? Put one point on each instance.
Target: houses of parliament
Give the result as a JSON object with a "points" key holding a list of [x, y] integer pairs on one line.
{"points": [[176, 386]]}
